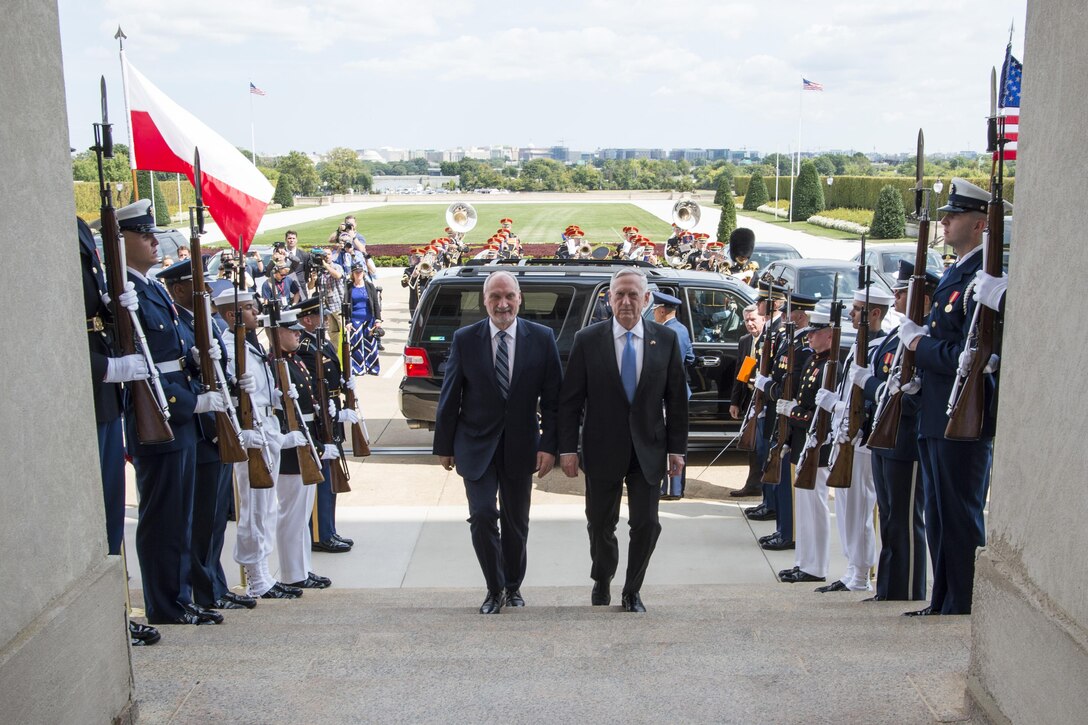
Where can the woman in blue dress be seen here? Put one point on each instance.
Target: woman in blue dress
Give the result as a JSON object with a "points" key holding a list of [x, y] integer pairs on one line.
{"points": [[366, 323]]}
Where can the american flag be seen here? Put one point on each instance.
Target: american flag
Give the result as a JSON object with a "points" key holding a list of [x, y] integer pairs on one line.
{"points": [[808, 85], [255, 90], [1012, 73]]}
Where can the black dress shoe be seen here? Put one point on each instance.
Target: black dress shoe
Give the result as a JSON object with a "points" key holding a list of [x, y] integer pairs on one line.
{"points": [[632, 602], [207, 616], [874, 598], [514, 598], [777, 543], [768, 537], [331, 545], [344, 539], [493, 603], [601, 596], [755, 510], [799, 576], [142, 635], [230, 600], [282, 591], [762, 515], [788, 572], [927, 612], [747, 491], [835, 586], [224, 603], [312, 581]]}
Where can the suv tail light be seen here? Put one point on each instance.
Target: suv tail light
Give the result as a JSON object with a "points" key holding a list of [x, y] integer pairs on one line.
{"points": [[416, 364]]}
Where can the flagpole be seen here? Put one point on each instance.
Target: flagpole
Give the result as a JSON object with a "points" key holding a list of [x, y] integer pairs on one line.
{"points": [[252, 133], [120, 37], [777, 161], [800, 109]]}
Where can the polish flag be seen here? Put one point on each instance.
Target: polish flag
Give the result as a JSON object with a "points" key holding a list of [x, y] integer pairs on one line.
{"points": [[165, 137]]}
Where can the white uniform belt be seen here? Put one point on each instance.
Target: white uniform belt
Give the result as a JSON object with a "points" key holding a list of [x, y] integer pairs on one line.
{"points": [[171, 366], [308, 417]]}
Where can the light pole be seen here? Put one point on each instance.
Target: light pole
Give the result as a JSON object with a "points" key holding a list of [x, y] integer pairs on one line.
{"points": [[938, 187]]}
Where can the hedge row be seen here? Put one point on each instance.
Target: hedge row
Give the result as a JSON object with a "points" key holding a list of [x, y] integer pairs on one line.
{"points": [[862, 192], [88, 201]]}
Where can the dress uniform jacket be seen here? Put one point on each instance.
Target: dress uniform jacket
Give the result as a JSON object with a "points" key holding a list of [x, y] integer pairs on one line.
{"points": [[906, 441], [303, 383], [812, 378], [107, 396]]}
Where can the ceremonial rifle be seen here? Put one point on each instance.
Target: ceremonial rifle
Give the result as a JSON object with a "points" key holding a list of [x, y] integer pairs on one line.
{"points": [[148, 399], [339, 468], [746, 441], [309, 460], [360, 444], [890, 407], [821, 421], [967, 403], [772, 472], [228, 432], [842, 467], [260, 461]]}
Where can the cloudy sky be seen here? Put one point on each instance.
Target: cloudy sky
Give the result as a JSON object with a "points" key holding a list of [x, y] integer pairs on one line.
{"points": [[589, 73]]}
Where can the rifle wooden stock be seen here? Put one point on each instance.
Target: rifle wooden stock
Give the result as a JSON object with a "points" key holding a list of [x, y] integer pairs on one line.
{"points": [[309, 463], [772, 471], [360, 447], [969, 409], [805, 475], [339, 475], [886, 425], [227, 433], [151, 423], [259, 474], [747, 439]]}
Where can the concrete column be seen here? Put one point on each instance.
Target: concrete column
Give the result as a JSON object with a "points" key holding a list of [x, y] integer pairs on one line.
{"points": [[1029, 659], [63, 638]]}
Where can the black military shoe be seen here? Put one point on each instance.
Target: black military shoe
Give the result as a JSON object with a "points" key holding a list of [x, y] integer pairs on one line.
{"points": [[312, 581], [344, 539], [231, 600], [514, 598], [206, 616], [927, 612], [835, 586], [142, 635], [331, 545], [282, 591], [777, 543]]}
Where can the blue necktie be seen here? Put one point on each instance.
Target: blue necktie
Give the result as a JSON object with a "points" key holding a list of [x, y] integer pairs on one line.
{"points": [[628, 373], [502, 365]]}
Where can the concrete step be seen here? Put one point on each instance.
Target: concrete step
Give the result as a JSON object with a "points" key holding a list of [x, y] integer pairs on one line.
{"points": [[707, 653]]}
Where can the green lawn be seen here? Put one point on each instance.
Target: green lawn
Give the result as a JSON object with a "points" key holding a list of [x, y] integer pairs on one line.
{"points": [[534, 223]]}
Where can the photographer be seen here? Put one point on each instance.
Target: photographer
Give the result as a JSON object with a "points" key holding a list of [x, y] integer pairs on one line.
{"points": [[327, 277], [358, 241], [229, 269], [281, 286]]}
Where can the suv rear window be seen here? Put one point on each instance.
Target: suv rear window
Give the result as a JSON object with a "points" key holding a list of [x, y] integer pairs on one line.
{"points": [[454, 308]]}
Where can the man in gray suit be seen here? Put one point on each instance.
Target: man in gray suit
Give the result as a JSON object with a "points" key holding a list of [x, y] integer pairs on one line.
{"points": [[625, 384]]}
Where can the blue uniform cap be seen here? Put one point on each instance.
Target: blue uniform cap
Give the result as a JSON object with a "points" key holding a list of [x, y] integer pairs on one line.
{"points": [[139, 216], [177, 272], [660, 298]]}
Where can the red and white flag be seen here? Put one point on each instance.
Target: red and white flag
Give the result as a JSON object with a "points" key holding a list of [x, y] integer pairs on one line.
{"points": [[165, 137]]}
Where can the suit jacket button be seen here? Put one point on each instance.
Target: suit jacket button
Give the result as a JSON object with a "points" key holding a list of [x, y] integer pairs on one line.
{"points": [[160, 327], [172, 400]]}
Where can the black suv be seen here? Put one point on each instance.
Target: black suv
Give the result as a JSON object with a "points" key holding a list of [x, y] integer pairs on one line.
{"points": [[567, 296]]}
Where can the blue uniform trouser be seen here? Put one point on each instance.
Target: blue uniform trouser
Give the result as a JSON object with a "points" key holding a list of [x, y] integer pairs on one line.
{"points": [[783, 499], [165, 483], [956, 477], [326, 506], [763, 449], [901, 573], [212, 498], [111, 459]]}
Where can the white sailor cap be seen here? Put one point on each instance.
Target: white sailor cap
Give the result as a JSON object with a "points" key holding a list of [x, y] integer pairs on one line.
{"points": [[877, 296]]}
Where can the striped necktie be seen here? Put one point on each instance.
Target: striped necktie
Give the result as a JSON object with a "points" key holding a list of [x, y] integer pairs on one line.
{"points": [[502, 365]]}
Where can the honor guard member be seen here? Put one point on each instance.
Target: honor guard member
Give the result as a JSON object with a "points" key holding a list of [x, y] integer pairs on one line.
{"points": [[258, 508], [324, 536], [854, 505], [108, 371], [410, 280], [800, 306], [769, 306], [955, 474], [810, 506], [296, 500], [213, 489], [665, 308], [165, 472], [742, 243], [901, 566]]}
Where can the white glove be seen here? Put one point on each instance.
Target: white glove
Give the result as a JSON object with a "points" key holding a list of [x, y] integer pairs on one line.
{"points": [[861, 376], [347, 415], [349, 383], [252, 438], [762, 382], [993, 364], [126, 368], [214, 351], [330, 453], [295, 439], [292, 392], [127, 299], [910, 388], [909, 331], [783, 406], [968, 356], [210, 402], [826, 399], [989, 290], [247, 383]]}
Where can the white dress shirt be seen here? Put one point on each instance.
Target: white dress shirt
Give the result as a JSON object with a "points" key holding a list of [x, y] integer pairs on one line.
{"points": [[510, 333], [619, 336]]}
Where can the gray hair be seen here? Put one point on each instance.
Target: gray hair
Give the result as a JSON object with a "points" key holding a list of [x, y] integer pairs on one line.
{"points": [[502, 273], [627, 271], [751, 308]]}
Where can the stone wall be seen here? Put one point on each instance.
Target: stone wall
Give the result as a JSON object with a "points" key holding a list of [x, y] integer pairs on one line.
{"points": [[63, 640]]}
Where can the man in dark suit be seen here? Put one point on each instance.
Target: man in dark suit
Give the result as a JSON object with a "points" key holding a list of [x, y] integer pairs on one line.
{"points": [[499, 372], [625, 384], [741, 396]]}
